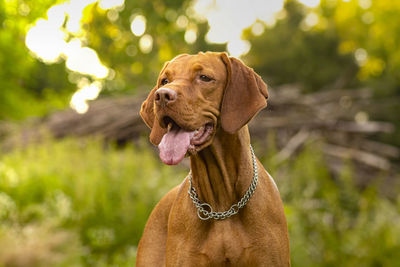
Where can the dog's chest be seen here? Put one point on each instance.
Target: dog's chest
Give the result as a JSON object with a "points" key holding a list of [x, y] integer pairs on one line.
{"points": [[226, 247], [223, 244]]}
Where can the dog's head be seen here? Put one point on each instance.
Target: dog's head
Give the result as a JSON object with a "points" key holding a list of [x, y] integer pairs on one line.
{"points": [[196, 96]]}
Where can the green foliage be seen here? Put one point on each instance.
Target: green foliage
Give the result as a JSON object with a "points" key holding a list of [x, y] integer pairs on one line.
{"points": [[97, 197], [28, 87], [119, 49], [351, 44], [286, 53], [331, 221], [79, 202], [372, 26]]}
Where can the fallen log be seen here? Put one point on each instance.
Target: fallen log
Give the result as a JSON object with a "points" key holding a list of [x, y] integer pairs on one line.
{"points": [[328, 116]]}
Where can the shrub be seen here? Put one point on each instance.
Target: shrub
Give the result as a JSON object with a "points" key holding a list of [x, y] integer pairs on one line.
{"points": [[80, 202], [101, 194], [331, 221]]}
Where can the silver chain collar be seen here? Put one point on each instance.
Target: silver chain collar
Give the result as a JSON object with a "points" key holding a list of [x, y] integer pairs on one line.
{"points": [[205, 211]]}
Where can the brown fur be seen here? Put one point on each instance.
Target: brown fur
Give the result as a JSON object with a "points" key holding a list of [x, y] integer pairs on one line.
{"points": [[222, 172]]}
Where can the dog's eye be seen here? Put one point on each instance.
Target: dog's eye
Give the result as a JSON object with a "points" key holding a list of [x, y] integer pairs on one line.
{"points": [[164, 81], [205, 78]]}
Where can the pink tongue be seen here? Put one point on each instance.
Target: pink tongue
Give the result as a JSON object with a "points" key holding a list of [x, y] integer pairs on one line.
{"points": [[174, 145]]}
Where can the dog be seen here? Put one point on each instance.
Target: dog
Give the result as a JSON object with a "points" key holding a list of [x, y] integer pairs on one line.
{"points": [[227, 211]]}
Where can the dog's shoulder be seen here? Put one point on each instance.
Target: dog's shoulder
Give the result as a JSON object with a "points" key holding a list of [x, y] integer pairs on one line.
{"points": [[166, 202], [152, 246]]}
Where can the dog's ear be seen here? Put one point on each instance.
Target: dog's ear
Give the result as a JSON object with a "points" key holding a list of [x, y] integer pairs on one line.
{"points": [[245, 95], [149, 117], [147, 109]]}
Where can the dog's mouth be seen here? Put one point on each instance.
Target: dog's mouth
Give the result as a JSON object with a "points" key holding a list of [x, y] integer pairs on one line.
{"points": [[178, 141]]}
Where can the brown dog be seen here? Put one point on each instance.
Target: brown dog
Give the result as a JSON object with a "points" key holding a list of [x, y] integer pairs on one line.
{"points": [[200, 107]]}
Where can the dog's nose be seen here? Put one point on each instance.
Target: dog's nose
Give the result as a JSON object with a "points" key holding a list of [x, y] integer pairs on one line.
{"points": [[165, 96]]}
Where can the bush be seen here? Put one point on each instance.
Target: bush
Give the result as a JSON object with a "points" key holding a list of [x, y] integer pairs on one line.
{"points": [[80, 202], [101, 194], [331, 221]]}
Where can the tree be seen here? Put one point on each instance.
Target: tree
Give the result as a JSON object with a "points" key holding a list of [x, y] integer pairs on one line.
{"points": [[26, 84]]}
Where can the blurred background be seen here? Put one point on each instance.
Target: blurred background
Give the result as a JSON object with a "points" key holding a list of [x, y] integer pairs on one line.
{"points": [[78, 177]]}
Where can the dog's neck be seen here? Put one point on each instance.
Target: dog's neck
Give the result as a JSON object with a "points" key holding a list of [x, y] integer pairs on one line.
{"points": [[223, 171]]}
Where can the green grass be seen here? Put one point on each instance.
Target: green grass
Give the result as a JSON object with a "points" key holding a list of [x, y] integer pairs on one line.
{"points": [[331, 221], [82, 203], [98, 196]]}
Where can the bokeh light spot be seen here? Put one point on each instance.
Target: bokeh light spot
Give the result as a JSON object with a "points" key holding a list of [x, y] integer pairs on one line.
{"points": [[138, 25], [146, 43], [228, 19], [238, 47], [361, 56], [310, 3], [108, 4], [182, 22], [257, 29], [84, 60], [46, 41], [190, 36], [85, 93]]}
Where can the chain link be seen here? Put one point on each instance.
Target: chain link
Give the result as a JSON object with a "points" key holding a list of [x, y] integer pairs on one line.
{"points": [[205, 211]]}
